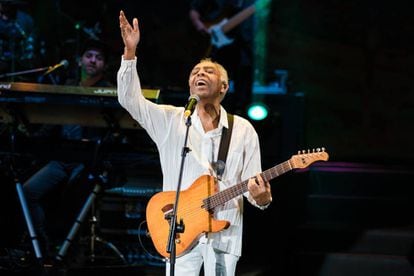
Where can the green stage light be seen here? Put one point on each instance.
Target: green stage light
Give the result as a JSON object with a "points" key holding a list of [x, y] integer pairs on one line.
{"points": [[257, 111]]}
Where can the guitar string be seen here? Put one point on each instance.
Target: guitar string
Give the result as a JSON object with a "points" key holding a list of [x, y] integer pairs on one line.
{"points": [[215, 200], [219, 198]]}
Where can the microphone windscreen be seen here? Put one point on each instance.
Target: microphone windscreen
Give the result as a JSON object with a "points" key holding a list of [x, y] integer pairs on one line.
{"points": [[65, 63]]}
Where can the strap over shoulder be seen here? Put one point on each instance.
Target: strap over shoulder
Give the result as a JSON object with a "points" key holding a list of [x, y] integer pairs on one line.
{"points": [[224, 145]]}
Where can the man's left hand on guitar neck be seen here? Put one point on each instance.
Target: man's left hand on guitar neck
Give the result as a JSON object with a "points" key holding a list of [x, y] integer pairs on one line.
{"points": [[260, 191]]}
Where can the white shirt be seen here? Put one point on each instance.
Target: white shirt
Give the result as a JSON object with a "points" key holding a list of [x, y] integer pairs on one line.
{"points": [[165, 124]]}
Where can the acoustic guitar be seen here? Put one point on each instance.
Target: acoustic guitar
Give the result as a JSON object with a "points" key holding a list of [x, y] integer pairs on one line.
{"points": [[197, 204]]}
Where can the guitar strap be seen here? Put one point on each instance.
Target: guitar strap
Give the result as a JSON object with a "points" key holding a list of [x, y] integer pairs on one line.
{"points": [[225, 141]]}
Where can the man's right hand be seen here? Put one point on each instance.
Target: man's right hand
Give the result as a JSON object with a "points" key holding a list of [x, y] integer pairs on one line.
{"points": [[130, 35]]}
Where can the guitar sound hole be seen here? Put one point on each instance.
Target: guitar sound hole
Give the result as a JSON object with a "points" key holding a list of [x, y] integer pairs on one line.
{"points": [[168, 211]]}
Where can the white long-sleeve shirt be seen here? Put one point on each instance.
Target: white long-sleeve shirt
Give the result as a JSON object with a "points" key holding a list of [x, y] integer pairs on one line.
{"points": [[165, 124]]}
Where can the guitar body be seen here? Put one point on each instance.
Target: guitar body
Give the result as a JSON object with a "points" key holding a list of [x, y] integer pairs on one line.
{"points": [[196, 219]]}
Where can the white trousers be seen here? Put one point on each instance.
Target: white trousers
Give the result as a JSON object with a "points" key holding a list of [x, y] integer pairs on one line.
{"points": [[216, 262]]}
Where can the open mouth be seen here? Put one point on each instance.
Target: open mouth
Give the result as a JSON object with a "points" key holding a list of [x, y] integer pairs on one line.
{"points": [[200, 83]]}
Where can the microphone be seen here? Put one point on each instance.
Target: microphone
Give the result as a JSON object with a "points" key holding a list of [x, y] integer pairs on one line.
{"points": [[63, 63], [190, 106]]}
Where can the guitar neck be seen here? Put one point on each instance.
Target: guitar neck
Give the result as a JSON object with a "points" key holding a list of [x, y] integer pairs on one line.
{"points": [[238, 18], [223, 196], [296, 161]]}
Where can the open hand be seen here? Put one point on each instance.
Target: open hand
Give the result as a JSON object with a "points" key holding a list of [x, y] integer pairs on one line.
{"points": [[130, 35]]}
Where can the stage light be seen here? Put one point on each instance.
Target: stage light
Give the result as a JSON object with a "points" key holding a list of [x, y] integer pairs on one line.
{"points": [[257, 111]]}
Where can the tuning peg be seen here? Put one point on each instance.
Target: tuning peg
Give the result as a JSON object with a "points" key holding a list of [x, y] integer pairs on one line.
{"points": [[308, 151]]}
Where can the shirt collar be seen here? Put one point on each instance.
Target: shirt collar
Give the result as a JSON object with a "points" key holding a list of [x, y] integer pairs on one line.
{"points": [[223, 122]]}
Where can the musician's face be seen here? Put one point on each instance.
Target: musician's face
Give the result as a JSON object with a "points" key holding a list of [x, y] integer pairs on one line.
{"points": [[93, 62], [205, 81]]}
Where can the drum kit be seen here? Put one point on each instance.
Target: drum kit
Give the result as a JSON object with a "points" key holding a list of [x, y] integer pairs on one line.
{"points": [[19, 47]]}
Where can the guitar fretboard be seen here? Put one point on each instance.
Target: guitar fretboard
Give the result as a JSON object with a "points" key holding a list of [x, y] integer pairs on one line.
{"points": [[236, 190]]}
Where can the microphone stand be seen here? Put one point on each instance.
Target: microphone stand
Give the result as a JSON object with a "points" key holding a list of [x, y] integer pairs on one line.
{"points": [[22, 197], [24, 72], [174, 228], [32, 71]]}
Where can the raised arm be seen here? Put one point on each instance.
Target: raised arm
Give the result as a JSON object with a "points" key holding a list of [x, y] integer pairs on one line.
{"points": [[130, 35]]}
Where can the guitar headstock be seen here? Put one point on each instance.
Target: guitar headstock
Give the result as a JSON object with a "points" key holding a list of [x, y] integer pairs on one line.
{"points": [[305, 158]]}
